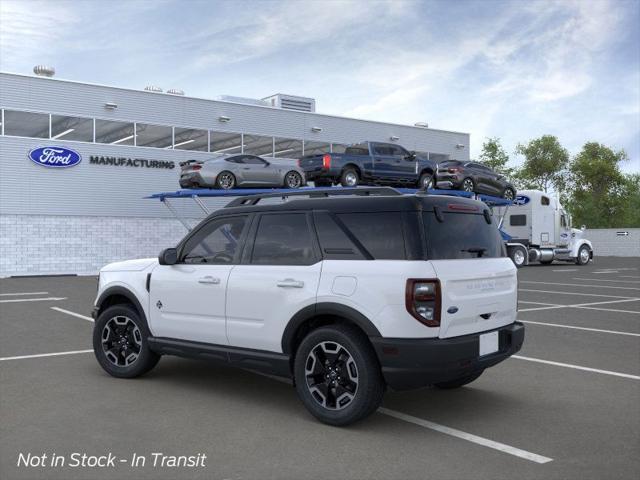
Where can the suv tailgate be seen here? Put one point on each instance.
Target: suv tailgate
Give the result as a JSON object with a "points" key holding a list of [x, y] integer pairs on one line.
{"points": [[484, 291]]}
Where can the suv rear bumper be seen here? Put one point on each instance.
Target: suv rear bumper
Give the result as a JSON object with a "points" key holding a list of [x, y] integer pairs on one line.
{"points": [[412, 363]]}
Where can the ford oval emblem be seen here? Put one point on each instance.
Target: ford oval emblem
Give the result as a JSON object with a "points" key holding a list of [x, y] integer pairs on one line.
{"points": [[452, 310], [55, 157], [521, 200]]}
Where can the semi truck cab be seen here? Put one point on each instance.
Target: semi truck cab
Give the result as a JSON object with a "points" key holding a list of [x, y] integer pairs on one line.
{"points": [[539, 230]]}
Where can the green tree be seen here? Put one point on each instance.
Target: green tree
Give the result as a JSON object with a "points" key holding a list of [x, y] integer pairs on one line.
{"points": [[544, 165], [599, 194], [494, 156]]}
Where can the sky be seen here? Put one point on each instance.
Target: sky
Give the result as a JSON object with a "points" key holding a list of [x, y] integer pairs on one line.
{"points": [[510, 69]]}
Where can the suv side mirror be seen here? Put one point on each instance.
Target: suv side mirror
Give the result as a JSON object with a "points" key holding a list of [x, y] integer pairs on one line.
{"points": [[411, 156], [168, 256]]}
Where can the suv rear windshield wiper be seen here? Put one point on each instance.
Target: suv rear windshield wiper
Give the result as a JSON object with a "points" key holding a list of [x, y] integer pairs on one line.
{"points": [[479, 250]]}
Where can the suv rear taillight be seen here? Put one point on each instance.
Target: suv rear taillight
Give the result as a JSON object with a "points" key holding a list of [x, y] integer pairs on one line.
{"points": [[422, 298], [196, 167], [326, 161], [453, 170]]}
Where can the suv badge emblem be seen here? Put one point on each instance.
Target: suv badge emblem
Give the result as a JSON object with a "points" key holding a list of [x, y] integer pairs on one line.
{"points": [[159, 304]]}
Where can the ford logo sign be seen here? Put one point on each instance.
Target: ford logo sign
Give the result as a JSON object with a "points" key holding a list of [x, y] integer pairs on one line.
{"points": [[55, 157], [521, 200]]}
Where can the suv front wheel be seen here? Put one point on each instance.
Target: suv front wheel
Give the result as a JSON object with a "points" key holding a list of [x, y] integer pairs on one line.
{"points": [[337, 375], [120, 342]]}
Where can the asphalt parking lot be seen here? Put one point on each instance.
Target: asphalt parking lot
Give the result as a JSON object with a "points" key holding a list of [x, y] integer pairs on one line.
{"points": [[568, 406]]}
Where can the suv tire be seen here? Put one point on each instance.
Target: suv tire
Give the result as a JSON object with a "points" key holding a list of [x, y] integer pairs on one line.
{"points": [[349, 178], [459, 382], [468, 185], [120, 342], [337, 375]]}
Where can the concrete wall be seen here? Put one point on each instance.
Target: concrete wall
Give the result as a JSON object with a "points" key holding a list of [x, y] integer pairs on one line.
{"points": [[607, 242]]}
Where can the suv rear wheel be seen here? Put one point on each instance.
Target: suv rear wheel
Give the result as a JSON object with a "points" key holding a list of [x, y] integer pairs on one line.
{"points": [[337, 375], [468, 185], [120, 343]]}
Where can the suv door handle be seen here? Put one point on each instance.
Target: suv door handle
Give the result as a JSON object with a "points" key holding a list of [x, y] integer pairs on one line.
{"points": [[209, 279], [290, 283]]}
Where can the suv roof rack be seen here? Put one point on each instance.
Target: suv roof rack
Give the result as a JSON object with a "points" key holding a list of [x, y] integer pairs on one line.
{"points": [[314, 193]]}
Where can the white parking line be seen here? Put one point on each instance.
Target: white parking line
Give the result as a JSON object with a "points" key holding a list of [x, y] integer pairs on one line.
{"points": [[22, 293], [589, 306], [73, 314], [47, 299], [533, 457], [566, 270], [576, 293], [578, 367], [603, 280], [39, 355], [629, 276], [581, 328], [539, 303], [581, 285]]}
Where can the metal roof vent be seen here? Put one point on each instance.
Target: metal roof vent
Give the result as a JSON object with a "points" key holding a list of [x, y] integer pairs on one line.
{"points": [[175, 91], [292, 102], [153, 88], [44, 71]]}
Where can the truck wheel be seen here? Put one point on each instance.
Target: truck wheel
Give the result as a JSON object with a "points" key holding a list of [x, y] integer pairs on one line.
{"points": [[225, 180], [426, 181], [518, 256], [349, 178], [120, 343], [468, 185], [584, 255], [337, 375], [459, 382]]}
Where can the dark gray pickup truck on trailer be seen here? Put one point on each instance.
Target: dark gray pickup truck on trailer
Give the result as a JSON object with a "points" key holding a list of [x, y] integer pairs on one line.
{"points": [[370, 163]]}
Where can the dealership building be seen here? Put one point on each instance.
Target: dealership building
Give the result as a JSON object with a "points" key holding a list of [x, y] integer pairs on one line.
{"points": [[126, 145]]}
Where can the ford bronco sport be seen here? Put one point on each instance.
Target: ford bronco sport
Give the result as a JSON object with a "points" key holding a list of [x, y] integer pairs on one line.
{"points": [[348, 295]]}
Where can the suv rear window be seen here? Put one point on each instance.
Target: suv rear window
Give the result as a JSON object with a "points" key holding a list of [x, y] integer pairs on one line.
{"points": [[461, 235], [379, 232]]}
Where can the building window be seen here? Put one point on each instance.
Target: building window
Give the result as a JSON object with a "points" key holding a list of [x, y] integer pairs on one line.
{"points": [[316, 148], [156, 136], [227, 143], [191, 139], [115, 133], [26, 124], [71, 128], [287, 148], [258, 145]]}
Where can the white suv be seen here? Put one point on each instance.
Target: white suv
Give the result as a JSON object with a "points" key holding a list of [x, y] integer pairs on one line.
{"points": [[347, 296]]}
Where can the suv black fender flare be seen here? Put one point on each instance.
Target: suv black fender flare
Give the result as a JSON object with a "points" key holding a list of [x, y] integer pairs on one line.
{"points": [[119, 291], [329, 309]]}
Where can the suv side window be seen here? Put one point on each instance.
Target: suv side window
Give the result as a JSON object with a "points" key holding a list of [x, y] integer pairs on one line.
{"points": [[283, 239], [334, 241], [218, 242], [380, 233], [398, 151]]}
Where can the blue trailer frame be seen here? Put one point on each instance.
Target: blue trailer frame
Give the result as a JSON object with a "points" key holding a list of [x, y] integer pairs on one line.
{"points": [[197, 194]]}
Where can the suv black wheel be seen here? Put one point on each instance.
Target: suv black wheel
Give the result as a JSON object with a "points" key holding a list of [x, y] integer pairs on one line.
{"points": [[426, 181], [337, 375], [349, 178], [468, 185], [293, 179], [225, 180], [459, 382], [120, 342]]}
